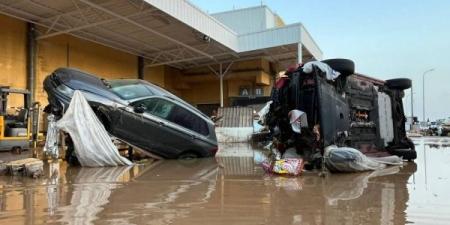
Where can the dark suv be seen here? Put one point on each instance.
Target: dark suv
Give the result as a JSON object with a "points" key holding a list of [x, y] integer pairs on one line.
{"points": [[138, 113], [351, 110]]}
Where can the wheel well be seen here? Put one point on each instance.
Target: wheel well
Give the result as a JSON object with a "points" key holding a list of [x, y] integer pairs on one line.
{"points": [[187, 153], [104, 119]]}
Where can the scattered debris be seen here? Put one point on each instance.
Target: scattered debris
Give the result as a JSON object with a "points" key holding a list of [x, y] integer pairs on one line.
{"points": [[29, 167], [3, 168], [325, 103]]}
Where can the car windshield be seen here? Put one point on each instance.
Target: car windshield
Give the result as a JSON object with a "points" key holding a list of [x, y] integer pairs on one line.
{"points": [[129, 89]]}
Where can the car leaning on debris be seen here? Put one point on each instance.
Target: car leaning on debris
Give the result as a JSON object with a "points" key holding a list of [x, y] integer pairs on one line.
{"points": [[345, 110], [137, 112]]}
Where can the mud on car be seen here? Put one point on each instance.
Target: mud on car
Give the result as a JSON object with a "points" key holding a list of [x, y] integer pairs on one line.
{"points": [[348, 110], [137, 112]]}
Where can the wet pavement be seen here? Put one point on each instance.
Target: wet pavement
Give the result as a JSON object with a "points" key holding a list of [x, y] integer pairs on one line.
{"points": [[232, 191]]}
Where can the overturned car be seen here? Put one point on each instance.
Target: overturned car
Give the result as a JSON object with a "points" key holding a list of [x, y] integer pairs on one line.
{"points": [[137, 112], [338, 107]]}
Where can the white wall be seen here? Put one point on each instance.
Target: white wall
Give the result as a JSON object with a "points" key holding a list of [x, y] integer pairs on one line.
{"points": [[247, 20]]}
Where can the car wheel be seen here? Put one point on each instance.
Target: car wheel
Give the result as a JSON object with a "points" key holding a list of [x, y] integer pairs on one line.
{"points": [[16, 150], [343, 66], [399, 84], [70, 155], [105, 121], [188, 155], [407, 154]]}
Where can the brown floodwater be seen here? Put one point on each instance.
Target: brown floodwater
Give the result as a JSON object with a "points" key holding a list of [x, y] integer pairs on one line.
{"points": [[232, 191]]}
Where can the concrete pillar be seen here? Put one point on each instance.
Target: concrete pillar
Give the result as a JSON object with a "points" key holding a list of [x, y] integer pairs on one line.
{"points": [[299, 53], [31, 62], [140, 69]]}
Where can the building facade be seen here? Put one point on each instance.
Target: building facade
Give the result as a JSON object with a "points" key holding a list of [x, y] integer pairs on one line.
{"points": [[222, 59]]}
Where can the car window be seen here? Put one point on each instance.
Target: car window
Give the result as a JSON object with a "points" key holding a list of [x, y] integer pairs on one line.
{"points": [[174, 113], [128, 90]]}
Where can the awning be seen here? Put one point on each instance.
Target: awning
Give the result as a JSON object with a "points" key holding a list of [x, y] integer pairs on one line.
{"points": [[164, 32]]}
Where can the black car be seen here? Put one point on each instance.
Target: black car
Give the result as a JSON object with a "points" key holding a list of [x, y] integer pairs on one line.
{"points": [[351, 110], [138, 113]]}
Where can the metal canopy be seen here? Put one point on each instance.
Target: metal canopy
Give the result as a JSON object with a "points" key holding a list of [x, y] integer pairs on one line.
{"points": [[139, 28]]}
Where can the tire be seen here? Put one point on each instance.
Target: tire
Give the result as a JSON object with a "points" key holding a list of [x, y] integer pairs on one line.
{"points": [[407, 154], [16, 150], [344, 66], [104, 120], [399, 83], [188, 155], [71, 157]]}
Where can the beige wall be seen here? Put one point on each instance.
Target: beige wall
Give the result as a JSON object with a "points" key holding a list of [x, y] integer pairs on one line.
{"points": [[68, 51], [13, 56], [55, 52], [197, 86]]}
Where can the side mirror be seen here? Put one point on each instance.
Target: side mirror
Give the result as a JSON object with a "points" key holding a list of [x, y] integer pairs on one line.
{"points": [[139, 109]]}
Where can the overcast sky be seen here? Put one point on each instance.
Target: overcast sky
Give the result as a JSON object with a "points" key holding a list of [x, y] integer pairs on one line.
{"points": [[386, 39]]}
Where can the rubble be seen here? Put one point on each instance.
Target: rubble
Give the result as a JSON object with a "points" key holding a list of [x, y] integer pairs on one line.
{"points": [[29, 167]]}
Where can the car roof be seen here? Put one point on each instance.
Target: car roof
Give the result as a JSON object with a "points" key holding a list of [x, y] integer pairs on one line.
{"points": [[157, 91], [70, 73]]}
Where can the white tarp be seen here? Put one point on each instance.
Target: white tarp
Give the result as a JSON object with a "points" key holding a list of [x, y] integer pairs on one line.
{"points": [[329, 72], [93, 145]]}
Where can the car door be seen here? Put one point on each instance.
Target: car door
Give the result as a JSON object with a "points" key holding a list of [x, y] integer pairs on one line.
{"points": [[151, 129], [133, 128]]}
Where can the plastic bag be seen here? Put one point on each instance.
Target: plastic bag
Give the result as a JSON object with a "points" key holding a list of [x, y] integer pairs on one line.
{"points": [[345, 159], [51, 141]]}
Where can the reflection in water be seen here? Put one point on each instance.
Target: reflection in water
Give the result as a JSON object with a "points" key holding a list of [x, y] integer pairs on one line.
{"points": [[232, 191], [91, 189], [351, 186]]}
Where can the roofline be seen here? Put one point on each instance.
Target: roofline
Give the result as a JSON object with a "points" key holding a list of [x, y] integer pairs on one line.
{"points": [[207, 14], [313, 40], [242, 9]]}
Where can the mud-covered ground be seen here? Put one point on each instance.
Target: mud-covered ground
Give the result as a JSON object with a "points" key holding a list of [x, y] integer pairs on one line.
{"points": [[232, 191]]}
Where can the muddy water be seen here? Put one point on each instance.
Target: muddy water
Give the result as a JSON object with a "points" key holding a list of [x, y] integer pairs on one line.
{"points": [[232, 191]]}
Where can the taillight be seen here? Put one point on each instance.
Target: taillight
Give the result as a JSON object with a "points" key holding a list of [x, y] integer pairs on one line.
{"points": [[214, 150]]}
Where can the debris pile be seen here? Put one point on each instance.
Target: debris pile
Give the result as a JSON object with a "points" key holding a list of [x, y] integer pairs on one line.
{"points": [[29, 167], [310, 111]]}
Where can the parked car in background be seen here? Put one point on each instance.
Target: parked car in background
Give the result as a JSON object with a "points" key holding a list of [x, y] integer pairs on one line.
{"points": [[346, 110], [138, 113], [445, 127]]}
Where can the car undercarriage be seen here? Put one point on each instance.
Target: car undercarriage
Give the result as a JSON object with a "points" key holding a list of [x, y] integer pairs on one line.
{"points": [[351, 110]]}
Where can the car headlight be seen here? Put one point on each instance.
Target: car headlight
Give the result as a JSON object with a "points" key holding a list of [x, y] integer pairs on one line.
{"points": [[65, 90]]}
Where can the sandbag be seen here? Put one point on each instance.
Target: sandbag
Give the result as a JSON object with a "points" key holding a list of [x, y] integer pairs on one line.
{"points": [[93, 145]]}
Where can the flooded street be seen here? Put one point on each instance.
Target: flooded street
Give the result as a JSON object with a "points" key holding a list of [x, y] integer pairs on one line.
{"points": [[232, 191]]}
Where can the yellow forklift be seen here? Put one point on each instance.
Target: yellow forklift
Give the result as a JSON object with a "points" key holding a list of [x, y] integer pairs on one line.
{"points": [[15, 122]]}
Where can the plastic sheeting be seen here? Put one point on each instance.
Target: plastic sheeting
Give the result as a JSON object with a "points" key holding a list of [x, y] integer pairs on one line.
{"points": [[263, 112], [51, 141], [93, 145], [329, 72], [344, 159]]}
